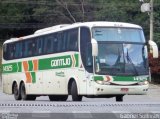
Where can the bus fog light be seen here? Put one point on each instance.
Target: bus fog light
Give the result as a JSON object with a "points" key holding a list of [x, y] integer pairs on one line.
{"points": [[98, 89]]}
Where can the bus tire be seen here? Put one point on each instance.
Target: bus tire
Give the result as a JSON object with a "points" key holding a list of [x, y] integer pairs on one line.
{"points": [[74, 92], [58, 97], [24, 95], [119, 98], [16, 92]]}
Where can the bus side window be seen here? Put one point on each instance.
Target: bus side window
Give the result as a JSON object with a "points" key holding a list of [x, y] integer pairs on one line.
{"points": [[34, 46], [64, 39], [48, 44], [72, 44], [11, 51], [39, 46], [55, 43], [28, 50], [60, 42], [86, 49], [18, 49], [23, 48], [5, 51]]}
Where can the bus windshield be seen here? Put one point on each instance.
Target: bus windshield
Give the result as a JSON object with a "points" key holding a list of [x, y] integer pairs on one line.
{"points": [[120, 55], [118, 34]]}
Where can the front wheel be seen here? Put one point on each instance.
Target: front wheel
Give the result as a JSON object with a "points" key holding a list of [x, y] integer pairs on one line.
{"points": [[119, 98], [74, 92], [16, 92]]}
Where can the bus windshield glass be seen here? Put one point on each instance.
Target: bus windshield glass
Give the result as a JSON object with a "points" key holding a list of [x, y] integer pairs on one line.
{"points": [[122, 53], [118, 34]]}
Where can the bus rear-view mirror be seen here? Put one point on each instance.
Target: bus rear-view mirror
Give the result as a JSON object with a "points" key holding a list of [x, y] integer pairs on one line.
{"points": [[94, 47], [153, 48]]}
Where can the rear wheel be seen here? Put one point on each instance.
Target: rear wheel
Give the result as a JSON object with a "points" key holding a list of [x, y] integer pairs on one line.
{"points": [[24, 95], [58, 97], [119, 98], [16, 92], [74, 92]]}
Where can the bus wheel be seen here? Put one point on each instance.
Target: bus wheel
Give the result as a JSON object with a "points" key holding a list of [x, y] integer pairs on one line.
{"points": [[74, 92], [58, 97], [24, 95], [16, 92], [119, 98]]}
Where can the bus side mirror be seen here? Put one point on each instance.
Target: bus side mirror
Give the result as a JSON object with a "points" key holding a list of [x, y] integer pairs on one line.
{"points": [[153, 48], [94, 47]]}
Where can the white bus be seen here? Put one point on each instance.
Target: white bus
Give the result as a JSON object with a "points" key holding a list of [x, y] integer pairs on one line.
{"points": [[91, 59]]}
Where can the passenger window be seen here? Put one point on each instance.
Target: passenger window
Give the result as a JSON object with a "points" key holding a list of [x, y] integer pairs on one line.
{"points": [[64, 40], [18, 50], [72, 41], [39, 46], [12, 49], [23, 49], [5, 51], [34, 47], [48, 47], [60, 42], [55, 43]]}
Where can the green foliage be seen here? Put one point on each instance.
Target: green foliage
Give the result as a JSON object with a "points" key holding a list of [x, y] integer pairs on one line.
{"points": [[0, 57], [27, 15]]}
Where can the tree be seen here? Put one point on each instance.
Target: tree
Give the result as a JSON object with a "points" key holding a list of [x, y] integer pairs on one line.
{"points": [[22, 17]]}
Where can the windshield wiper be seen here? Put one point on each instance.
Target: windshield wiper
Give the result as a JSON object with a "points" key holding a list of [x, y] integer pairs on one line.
{"points": [[130, 60]]}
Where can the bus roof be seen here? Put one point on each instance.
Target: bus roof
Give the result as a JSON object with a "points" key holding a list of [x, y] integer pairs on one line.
{"points": [[62, 27]]}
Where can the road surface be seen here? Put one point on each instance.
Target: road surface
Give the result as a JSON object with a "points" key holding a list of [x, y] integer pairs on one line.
{"points": [[133, 106]]}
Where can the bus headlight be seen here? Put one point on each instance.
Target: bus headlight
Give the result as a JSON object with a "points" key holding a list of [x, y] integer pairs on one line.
{"points": [[103, 82], [146, 82], [99, 82], [143, 83]]}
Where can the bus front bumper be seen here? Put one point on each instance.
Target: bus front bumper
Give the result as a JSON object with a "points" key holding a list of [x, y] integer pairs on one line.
{"points": [[114, 89]]}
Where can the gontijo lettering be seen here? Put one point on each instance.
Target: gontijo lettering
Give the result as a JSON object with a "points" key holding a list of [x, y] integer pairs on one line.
{"points": [[61, 62]]}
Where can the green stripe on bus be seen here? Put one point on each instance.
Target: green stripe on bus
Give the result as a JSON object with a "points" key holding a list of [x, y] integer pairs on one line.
{"points": [[123, 78], [19, 66], [77, 62], [30, 64], [33, 74], [44, 64], [98, 78], [55, 62]]}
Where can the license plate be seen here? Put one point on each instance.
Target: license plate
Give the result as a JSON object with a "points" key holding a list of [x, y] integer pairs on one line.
{"points": [[124, 89]]}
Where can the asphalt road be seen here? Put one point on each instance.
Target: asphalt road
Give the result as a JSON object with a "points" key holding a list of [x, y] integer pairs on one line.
{"points": [[133, 106]]}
